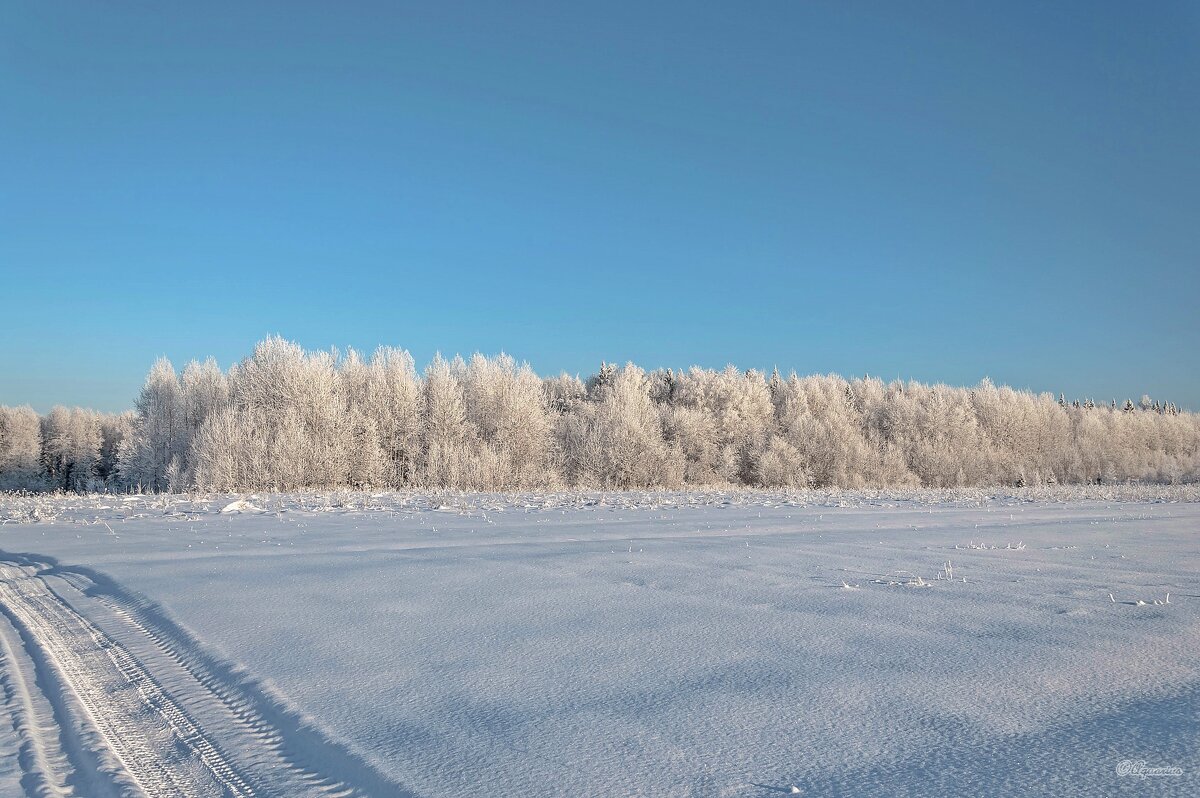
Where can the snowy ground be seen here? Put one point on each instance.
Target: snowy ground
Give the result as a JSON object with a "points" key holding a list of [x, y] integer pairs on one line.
{"points": [[745, 644]]}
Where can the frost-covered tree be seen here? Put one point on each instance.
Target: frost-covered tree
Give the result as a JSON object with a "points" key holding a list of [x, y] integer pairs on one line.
{"points": [[662, 386], [506, 408], [780, 466], [20, 449], [71, 449], [204, 390], [114, 431], [564, 394], [366, 462], [151, 458], [297, 395], [231, 451], [447, 457], [615, 440], [690, 433], [740, 418], [393, 403], [284, 418], [602, 379], [285, 426], [817, 421]]}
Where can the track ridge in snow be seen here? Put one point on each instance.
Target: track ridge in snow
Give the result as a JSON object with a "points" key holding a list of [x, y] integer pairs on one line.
{"points": [[108, 696]]}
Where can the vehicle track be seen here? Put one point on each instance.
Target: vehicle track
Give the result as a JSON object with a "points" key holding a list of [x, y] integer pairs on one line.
{"points": [[156, 715], [43, 760]]}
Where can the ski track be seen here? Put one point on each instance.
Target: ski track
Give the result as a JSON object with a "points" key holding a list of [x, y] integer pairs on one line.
{"points": [[107, 698]]}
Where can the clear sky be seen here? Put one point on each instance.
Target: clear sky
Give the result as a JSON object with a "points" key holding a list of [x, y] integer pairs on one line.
{"points": [[937, 191]]}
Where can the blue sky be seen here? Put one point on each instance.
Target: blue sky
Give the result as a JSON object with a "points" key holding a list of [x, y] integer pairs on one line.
{"points": [[935, 191]]}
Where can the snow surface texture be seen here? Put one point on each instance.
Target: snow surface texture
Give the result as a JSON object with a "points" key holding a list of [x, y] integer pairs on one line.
{"points": [[750, 644]]}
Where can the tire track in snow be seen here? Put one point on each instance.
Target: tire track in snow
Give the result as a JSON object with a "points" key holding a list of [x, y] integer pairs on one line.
{"points": [[111, 691], [166, 718], [43, 761]]}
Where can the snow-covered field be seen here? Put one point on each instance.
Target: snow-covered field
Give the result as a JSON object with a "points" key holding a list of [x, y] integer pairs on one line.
{"points": [[743, 644]]}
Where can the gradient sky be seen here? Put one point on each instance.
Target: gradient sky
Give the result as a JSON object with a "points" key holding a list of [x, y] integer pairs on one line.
{"points": [[934, 191]]}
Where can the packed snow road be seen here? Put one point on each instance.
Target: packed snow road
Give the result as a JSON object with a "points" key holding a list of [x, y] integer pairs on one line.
{"points": [[109, 699], [745, 644]]}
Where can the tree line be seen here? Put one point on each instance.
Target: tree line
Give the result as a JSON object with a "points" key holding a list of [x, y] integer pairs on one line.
{"points": [[287, 419]]}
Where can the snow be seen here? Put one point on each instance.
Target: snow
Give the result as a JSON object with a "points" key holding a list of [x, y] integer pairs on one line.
{"points": [[241, 506], [621, 644]]}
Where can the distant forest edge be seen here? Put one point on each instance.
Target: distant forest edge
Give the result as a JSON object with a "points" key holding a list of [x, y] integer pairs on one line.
{"points": [[286, 419]]}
